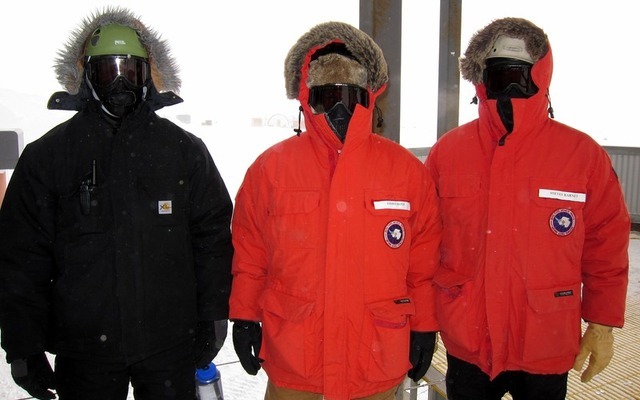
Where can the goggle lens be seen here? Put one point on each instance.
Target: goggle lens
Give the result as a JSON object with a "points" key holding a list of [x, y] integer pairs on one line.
{"points": [[500, 76], [104, 70], [323, 98]]}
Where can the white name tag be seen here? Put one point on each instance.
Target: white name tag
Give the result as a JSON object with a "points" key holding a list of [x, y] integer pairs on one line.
{"points": [[391, 205], [562, 195]]}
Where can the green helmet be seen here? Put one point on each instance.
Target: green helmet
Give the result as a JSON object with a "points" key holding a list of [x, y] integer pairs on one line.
{"points": [[115, 39]]}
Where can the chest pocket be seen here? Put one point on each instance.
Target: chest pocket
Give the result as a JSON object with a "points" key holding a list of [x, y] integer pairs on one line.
{"points": [[163, 199], [386, 238], [293, 216], [557, 205], [459, 186], [459, 199], [388, 216]]}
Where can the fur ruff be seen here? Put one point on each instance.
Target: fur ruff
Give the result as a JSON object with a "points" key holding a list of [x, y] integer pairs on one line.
{"points": [[69, 65], [359, 44], [335, 68], [472, 64]]}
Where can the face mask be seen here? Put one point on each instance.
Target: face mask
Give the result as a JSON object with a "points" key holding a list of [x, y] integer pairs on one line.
{"points": [[337, 102], [121, 98], [338, 118]]}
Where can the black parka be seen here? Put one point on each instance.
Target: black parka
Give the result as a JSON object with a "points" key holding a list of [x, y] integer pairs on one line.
{"points": [[129, 272]]}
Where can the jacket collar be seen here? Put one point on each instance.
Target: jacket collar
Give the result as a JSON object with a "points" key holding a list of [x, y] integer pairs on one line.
{"points": [[76, 102]]}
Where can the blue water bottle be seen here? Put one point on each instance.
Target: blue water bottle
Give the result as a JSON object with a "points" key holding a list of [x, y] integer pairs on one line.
{"points": [[208, 384]]}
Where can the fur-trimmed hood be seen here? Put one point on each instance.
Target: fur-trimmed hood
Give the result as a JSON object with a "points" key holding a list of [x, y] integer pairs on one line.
{"points": [[472, 63], [69, 65], [361, 46]]}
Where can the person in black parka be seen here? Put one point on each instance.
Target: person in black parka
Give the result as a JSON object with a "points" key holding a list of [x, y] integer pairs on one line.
{"points": [[115, 242]]}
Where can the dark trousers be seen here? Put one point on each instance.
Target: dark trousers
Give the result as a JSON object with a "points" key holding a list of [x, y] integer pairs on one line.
{"points": [[167, 375], [466, 381]]}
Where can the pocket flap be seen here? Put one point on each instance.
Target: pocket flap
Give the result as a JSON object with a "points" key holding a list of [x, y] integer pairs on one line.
{"points": [[387, 203], [286, 306], [459, 185], [555, 193], [393, 308], [554, 299], [296, 202], [446, 278]]}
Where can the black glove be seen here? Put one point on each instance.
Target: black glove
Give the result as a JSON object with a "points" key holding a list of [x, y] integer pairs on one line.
{"points": [[247, 339], [210, 336], [34, 374], [422, 346]]}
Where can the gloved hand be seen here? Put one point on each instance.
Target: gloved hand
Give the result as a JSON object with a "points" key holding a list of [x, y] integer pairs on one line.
{"points": [[247, 339], [597, 343], [210, 336], [422, 346], [34, 374]]}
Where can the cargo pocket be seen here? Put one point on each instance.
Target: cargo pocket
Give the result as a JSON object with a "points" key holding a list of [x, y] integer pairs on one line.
{"points": [[387, 339], [284, 335], [552, 322], [458, 315]]}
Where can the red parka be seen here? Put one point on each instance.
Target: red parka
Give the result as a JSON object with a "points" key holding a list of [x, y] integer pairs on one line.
{"points": [[335, 249], [535, 237]]}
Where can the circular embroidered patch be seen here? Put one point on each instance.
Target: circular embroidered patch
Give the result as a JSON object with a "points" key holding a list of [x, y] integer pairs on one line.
{"points": [[562, 221], [394, 234]]}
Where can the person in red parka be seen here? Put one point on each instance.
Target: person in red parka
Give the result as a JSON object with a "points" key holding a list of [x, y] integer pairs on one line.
{"points": [[535, 231], [336, 234]]}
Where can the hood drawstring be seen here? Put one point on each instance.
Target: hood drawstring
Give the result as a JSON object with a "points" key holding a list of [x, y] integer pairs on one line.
{"points": [[474, 100], [550, 109], [298, 131]]}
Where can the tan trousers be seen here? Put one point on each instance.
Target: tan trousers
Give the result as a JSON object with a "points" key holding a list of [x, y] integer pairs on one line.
{"points": [[279, 393]]}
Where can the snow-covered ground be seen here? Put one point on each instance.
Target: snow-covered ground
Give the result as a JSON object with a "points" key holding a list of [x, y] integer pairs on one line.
{"points": [[238, 385]]}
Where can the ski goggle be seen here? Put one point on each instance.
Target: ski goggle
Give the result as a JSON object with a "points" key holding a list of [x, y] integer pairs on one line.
{"points": [[103, 70], [323, 98], [500, 75]]}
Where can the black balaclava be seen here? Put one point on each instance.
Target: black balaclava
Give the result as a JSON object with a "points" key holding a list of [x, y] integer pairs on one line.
{"points": [[337, 82], [120, 98]]}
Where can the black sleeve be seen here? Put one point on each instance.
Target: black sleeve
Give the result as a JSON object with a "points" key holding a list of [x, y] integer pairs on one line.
{"points": [[27, 219], [210, 227]]}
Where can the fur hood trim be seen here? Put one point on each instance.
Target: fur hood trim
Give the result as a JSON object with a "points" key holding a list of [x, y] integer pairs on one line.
{"points": [[361, 46], [69, 65], [472, 63], [335, 68]]}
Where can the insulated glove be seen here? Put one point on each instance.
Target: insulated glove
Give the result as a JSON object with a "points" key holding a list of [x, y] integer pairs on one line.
{"points": [[422, 346], [247, 339], [597, 343], [210, 336], [34, 374]]}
